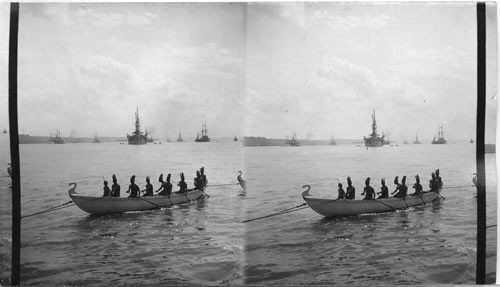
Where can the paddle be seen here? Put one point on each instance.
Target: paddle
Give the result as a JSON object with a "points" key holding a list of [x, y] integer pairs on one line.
{"points": [[204, 192], [394, 209], [150, 202]]}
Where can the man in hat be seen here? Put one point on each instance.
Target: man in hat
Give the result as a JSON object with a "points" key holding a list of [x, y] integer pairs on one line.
{"points": [[115, 188], [403, 189], [160, 179], [350, 191], [133, 189], [198, 181], [166, 186], [384, 191], [368, 190], [107, 191], [341, 192], [203, 177], [182, 185], [417, 186], [149, 188], [433, 182], [439, 180]]}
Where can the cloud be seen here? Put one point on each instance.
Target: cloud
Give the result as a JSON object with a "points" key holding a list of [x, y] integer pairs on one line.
{"points": [[108, 19], [350, 22], [293, 12]]}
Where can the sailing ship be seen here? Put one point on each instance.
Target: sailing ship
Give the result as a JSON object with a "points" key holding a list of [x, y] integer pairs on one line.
{"points": [[204, 134], [180, 137], [416, 139], [4, 131], [96, 139], [332, 142], [471, 141], [293, 140], [235, 139], [374, 140], [440, 138], [137, 137], [57, 139]]}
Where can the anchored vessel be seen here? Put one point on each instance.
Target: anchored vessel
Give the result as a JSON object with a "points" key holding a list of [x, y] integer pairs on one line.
{"points": [[332, 141], [137, 137], [204, 134], [440, 138], [180, 137], [57, 139], [374, 140], [107, 205], [96, 139], [293, 140], [416, 139], [349, 207]]}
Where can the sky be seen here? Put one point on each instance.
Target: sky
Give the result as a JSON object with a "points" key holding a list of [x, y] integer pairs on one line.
{"points": [[253, 69]]}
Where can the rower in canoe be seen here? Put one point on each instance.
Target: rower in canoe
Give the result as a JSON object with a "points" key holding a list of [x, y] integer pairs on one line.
{"points": [[96, 205], [149, 188], [350, 191], [339, 208], [368, 190], [417, 186], [133, 189], [384, 190]]}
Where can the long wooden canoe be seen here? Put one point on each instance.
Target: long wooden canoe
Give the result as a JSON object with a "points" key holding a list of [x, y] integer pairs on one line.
{"points": [[108, 205], [348, 207]]}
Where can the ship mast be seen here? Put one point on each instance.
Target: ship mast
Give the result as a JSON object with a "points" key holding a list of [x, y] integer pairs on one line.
{"points": [[137, 124], [374, 125]]}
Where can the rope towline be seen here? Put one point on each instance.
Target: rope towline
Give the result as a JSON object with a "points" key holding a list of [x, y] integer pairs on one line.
{"points": [[54, 208], [285, 211], [224, 184]]}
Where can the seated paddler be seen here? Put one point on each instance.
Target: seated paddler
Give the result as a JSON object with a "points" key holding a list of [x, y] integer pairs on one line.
{"points": [[160, 180], [203, 177], [417, 186], [433, 185], [133, 188], [115, 188], [384, 190], [341, 192], [149, 188], [198, 181], [439, 180], [107, 191], [368, 191], [350, 191], [396, 182], [166, 186], [182, 185], [403, 189]]}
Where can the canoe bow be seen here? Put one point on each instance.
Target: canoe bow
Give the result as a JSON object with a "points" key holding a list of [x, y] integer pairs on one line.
{"points": [[72, 191], [306, 192]]}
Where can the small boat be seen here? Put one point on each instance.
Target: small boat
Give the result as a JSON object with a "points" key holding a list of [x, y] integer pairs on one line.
{"points": [[347, 207], [107, 205]]}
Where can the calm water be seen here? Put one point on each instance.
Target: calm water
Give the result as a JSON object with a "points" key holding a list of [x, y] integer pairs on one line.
{"points": [[424, 245], [205, 242]]}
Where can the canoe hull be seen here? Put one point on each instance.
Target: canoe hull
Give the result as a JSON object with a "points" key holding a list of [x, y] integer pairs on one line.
{"points": [[347, 207], [109, 205]]}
